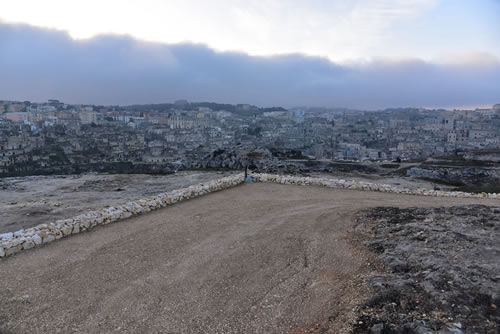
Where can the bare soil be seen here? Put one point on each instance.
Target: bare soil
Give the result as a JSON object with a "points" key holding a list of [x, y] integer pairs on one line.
{"points": [[444, 270], [29, 201], [257, 258]]}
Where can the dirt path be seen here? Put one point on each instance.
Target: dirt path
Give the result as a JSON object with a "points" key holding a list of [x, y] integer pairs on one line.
{"points": [[258, 258]]}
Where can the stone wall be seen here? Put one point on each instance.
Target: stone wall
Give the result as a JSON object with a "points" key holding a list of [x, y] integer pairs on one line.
{"points": [[360, 185], [14, 242]]}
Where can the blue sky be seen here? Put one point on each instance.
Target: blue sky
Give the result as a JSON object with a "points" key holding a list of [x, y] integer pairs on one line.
{"points": [[360, 53], [451, 28]]}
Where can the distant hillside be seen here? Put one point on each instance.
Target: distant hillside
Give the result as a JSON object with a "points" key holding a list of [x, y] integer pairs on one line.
{"points": [[184, 105]]}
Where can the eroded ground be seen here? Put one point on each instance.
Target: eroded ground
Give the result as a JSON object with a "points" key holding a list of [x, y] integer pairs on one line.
{"points": [[33, 200], [257, 258], [443, 270]]}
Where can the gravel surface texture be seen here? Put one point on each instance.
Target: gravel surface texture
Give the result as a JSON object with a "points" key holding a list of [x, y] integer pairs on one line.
{"points": [[256, 258]]}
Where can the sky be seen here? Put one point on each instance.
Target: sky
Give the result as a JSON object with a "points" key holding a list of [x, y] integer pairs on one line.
{"points": [[359, 54]]}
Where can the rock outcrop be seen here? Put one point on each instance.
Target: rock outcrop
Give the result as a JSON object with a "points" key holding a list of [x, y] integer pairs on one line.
{"points": [[442, 270], [266, 161], [457, 176]]}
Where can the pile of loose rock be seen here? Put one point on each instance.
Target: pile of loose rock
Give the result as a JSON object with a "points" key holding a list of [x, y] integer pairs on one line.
{"points": [[360, 185], [14, 242]]}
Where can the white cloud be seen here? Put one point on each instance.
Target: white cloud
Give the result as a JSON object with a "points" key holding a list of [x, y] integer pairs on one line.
{"points": [[339, 30]]}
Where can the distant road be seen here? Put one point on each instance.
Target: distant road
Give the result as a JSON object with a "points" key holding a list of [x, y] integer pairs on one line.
{"points": [[257, 258]]}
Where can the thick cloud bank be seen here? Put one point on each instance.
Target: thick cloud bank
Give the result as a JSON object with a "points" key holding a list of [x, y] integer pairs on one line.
{"points": [[38, 64]]}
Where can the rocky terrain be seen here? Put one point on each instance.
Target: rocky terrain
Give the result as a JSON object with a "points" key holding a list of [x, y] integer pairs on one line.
{"points": [[443, 270], [489, 155], [278, 161], [33, 200], [457, 176], [256, 258], [455, 171]]}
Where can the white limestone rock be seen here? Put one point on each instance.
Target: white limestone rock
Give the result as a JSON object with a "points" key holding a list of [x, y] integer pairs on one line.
{"points": [[12, 243], [29, 232], [49, 238], [84, 223], [28, 244], [66, 230], [13, 250], [125, 214], [7, 236], [37, 240]]}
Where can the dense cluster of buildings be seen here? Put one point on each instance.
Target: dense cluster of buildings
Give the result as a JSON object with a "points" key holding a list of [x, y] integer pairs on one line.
{"points": [[37, 136]]}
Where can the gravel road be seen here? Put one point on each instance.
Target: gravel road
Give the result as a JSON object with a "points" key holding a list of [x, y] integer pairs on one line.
{"points": [[257, 258]]}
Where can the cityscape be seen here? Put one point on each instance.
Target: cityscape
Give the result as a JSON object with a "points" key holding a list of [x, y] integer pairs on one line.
{"points": [[250, 166], [52, 135]]}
